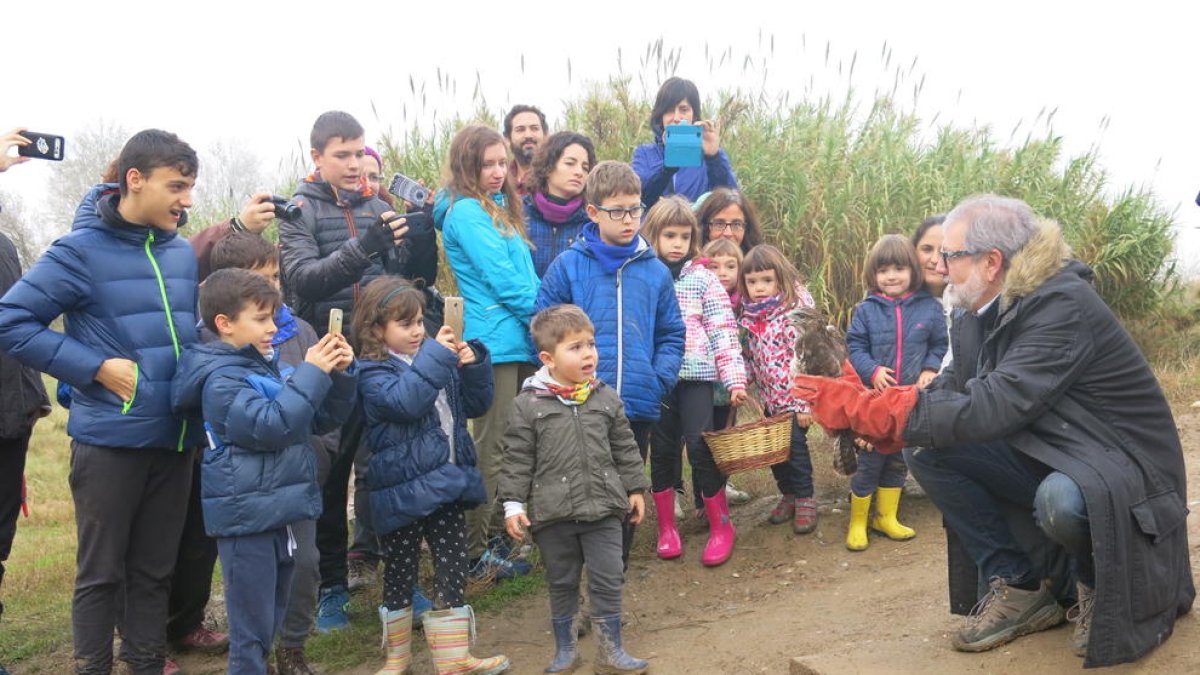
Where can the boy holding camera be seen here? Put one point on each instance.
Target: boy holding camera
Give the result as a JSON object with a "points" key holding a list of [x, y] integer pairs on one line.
{"points": [[345, 237], [259, 475]]}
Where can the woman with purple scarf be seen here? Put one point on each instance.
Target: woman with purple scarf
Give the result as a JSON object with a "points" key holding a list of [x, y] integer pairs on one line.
{"points": [[554, 206]]}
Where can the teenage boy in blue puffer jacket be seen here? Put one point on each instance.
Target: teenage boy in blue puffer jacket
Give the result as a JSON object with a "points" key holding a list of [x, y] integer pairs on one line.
{"points": [[126, 285], [259, 473], [628, 293]]}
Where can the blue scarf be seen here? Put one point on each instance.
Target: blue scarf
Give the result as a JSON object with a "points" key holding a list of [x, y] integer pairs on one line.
{"points": [[611, 257], [285, 326]]}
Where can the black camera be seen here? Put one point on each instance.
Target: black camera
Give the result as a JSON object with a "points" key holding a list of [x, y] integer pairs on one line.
{"points": [[285, 209]]}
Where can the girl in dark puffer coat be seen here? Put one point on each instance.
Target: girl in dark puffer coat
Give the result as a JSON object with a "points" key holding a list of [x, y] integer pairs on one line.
{"points": [[897, 337], [417, 394]]}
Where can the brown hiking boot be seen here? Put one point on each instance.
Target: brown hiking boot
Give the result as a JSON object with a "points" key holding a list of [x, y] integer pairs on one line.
{"points": [[1005, 614], [1081, 616], [291, 661]]}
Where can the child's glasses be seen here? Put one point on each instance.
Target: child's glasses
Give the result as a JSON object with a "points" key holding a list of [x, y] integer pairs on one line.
{"points": [[617, 214], [731, 225]]}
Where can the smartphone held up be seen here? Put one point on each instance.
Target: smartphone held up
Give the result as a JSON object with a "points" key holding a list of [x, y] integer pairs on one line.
{"points": [[42, 146]]}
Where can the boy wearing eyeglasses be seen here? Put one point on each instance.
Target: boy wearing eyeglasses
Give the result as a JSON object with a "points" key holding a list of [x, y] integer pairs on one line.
{"points": [[628, 293]]}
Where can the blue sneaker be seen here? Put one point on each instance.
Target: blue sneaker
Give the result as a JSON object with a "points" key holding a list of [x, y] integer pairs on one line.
{"points": [[491, 566], [331, 609], [421, 604]]}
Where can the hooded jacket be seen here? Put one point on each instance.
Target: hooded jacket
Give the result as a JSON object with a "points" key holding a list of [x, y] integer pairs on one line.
{"points": [[1062, 382], [550, 239], [639, 331], [568, 462], [906, 334], [259, 472], [688, 181], [411, 474], [324, 267], [769, 337], [22, 395], [495, 276], [125, 291]]}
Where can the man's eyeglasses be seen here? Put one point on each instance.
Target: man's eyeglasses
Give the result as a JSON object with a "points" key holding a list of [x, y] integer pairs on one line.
{"points": [[722, 225], [617, 214], [947, 256]]}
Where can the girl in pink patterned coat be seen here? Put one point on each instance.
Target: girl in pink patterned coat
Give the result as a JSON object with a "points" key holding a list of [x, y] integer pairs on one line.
{"points": [[771, 288], [711, 352]]}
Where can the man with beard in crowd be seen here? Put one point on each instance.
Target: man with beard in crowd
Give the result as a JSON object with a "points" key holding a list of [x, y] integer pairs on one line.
{"points": [[524, 129]]}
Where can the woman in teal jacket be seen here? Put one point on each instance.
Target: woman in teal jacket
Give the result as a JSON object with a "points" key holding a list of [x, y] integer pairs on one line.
{"points": [[484, 236]]}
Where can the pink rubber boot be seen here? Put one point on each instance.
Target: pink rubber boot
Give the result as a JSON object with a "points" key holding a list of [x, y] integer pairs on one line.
{"points": [[720, 530], [669, 545]]}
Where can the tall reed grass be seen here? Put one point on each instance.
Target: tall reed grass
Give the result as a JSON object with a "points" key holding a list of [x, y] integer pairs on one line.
{"points": [[830, 175]]}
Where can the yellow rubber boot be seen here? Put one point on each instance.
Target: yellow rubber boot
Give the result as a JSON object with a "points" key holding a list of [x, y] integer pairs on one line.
{"points": [[887, 504], [860, 509]]}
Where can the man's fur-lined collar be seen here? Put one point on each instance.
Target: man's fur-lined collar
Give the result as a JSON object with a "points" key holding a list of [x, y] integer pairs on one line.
{"points": [[1045, 255]]}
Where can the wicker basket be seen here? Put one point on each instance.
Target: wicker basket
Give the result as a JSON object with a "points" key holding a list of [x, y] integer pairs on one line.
{"points": [[751, 446]]}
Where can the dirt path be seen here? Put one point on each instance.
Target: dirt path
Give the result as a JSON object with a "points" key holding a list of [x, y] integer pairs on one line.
{"points": [[783, 597]]}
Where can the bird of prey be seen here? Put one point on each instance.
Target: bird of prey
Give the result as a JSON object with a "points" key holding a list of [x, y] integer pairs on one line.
{"points": [[821, 350]]}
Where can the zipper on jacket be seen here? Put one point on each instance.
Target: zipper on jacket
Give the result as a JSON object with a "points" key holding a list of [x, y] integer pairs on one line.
{"points": [[899, 341], [129, 404], [620, 331], [162, 289], [582, 438], [349, 216]]}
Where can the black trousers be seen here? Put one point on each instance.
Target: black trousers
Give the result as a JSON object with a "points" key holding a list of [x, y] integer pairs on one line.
{"points": [[332, 528], [130, 505], [12, 468], [641, 435], [191, 584], [686, 412]]}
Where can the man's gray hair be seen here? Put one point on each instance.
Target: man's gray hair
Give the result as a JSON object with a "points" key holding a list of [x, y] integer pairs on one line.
{"points": [[995, 222]]}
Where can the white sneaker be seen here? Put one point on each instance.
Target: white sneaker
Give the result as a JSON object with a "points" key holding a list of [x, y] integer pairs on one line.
{"points": [[735, 496], [678, 506]]}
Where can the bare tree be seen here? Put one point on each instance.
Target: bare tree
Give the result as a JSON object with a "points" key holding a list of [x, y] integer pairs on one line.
{"points": [[229, 173], [28, 240], [89, 154]]}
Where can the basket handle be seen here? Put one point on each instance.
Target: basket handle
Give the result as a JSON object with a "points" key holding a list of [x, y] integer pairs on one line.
{"points": [[731, 419]]}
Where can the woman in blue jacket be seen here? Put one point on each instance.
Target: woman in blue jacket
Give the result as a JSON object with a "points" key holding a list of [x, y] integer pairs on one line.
{"points": [[484, 235], [678, 102]]}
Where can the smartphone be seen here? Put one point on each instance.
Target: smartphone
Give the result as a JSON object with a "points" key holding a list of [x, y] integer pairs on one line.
{"points": [[42, 146], [454, 315], [409, 190], [335, 321]]}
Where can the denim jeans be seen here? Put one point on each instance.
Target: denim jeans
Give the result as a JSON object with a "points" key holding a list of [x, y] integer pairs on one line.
{"points": [[794, 476], [257, 570], [969, 485], [877, 470]]}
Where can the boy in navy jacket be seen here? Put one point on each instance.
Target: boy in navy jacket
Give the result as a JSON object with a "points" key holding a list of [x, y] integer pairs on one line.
{"points": [[126, 285], [259, 473]]}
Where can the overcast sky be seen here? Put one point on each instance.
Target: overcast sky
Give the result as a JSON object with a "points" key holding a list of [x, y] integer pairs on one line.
{"points": [[258, 73]]}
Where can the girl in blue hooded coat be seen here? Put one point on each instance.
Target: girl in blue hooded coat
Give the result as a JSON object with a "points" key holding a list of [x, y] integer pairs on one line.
{"points": [[417, 394], [897, 337]]}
